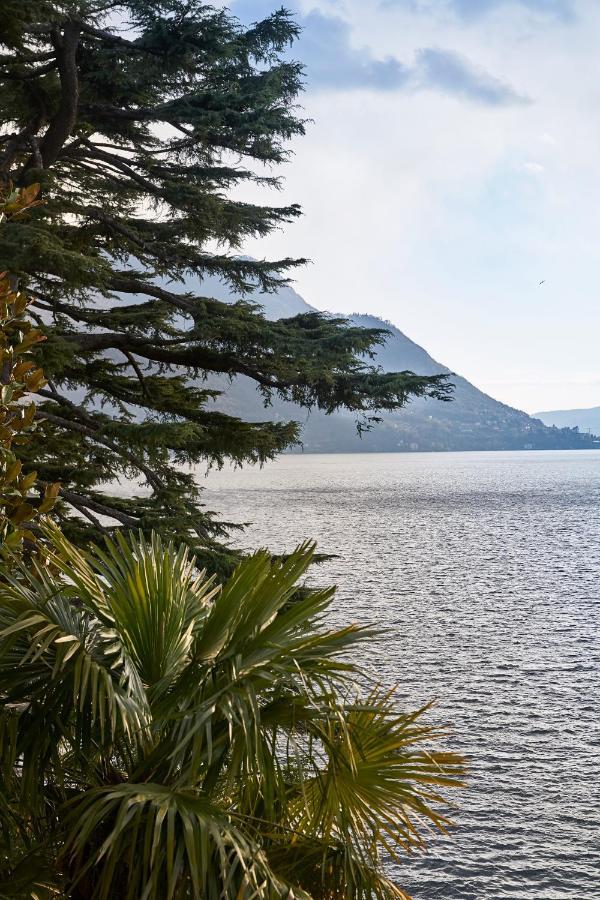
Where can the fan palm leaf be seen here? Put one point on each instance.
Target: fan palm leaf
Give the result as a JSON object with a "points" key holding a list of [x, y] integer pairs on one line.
{"points": [[165, 737]]}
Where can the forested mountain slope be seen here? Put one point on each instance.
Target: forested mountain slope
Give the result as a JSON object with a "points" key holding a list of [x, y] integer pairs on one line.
{"points": [[472, 421]]}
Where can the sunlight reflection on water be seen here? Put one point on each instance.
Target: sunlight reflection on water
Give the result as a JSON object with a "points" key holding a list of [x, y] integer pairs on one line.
{"points": [[483, 568]]}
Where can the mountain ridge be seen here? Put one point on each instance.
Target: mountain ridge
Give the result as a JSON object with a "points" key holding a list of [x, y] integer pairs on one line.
{"points": [[471, 421], [586, 418]]}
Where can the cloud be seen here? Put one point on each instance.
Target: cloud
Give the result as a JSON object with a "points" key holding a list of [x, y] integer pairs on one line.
{"points": [[443, 221], [325, 48], [534, 167], [473, 9], [451, 73], [334, 63]]}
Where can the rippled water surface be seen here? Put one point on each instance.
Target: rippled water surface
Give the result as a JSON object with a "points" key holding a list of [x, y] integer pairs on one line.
{"points": [[484, 568]]}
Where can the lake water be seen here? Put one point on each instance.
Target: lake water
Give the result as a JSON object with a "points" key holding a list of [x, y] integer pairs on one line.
{"points": [[484, 568]]}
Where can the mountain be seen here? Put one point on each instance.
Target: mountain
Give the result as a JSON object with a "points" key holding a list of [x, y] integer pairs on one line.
{"points": [[584, 419], [472, 421]]}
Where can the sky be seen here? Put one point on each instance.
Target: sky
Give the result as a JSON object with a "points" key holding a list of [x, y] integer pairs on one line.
{"points": [[451, 165]]}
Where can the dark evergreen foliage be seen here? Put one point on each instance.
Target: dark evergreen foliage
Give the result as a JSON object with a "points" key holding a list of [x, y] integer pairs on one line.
{"points": [[140, 119]]}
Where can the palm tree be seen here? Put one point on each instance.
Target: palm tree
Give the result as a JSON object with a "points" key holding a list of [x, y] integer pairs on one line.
{"points": [[161, 737]]}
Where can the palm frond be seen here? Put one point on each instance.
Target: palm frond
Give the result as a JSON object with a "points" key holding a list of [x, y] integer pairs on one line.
{"points": [[173, 843], [56, 657], [161, 737], [374, 779], [150, 591]]}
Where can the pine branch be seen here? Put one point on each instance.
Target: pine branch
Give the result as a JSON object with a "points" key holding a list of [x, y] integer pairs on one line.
{"points": [[113, 40], [102, 509], [21, 57], [28, 75], [131, 360], [94, 434], [80, 507], [140, 140]]}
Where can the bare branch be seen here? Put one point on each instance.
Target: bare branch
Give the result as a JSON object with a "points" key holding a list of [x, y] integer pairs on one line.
{"points": [[170, 352], [10, 59], [28, 75], [88, 514], [132, 362], [93, 433], [121, 165], [99, 508], [125, 283], [18, 142], [114, 40]]}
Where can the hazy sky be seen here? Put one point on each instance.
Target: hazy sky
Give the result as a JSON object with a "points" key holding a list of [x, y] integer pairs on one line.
{"points": [[454, 163]]}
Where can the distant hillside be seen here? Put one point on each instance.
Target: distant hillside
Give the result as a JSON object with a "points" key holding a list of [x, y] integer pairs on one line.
{"points": [[472, 421], [584, 419]]}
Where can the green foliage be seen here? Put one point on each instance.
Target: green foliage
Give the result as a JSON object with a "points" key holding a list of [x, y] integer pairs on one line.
{"points": [[142, 135], [19, 378], [164, 738]]}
